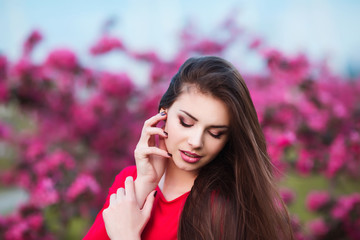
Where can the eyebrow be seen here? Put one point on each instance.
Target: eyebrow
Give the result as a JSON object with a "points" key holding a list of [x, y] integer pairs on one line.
{"points": [[195, 119]]}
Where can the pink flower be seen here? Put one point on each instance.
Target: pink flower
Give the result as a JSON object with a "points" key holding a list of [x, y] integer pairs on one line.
{"points": [[44, 193], [293, 70], [344, 205], [84, 118], [58, 158], [317, 199], [24, 67], [100, 105], [24, 180], [34, 38], [340, 110], [275, 154], [62, 59], [16, 231], [255, 43], [305, 162], [5, 131], [51, 164], [147, 56], [4, 92], [318, 227], [35, 221], [287, 118], [160, 71], [4, 89], [116, 85], [83, 183], [355, 142], [208, 46], [337, 157], [35, 150], [3, 67], [106, 141], [149, 104], [315, 118], [286, 139], [287, 195], [106, 44], [88, 76]]}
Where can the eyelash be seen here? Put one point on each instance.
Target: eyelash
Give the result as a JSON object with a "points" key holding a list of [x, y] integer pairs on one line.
{"points": [[217, 136], [184, 124]]}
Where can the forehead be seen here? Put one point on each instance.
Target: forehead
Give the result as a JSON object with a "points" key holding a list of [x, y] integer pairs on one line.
{"points": [[203, 106]]}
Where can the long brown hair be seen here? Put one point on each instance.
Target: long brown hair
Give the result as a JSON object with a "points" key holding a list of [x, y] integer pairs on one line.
{"points": [[234, 196]]}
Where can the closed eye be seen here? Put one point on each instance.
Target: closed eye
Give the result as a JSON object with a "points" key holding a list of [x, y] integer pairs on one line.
{"points": [[184, 124], [217, 136]]}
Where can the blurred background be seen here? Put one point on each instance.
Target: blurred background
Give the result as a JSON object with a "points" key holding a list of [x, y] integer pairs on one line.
{"points": [[78, 78]]}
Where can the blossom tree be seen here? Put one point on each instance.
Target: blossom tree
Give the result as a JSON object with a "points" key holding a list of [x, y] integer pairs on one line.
{"points": [[84, 124]]}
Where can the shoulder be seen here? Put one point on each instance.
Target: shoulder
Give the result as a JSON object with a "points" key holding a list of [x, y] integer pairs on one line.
{"points": [[126, 172], [120, 178]]}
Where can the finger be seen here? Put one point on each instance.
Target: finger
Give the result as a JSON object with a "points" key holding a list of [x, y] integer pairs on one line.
{"points": [[155, 119], [112, 198], [120, 193], [162, 144], [149, 202], [129, 188], [148, 132], [105, 213], [145, 152]]}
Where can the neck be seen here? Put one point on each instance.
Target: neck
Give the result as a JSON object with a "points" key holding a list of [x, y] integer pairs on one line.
{"points": [[177, 182]]}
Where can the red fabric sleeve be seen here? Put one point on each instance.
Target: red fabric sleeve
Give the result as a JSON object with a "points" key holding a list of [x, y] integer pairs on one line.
{"points": [[97, 230]]}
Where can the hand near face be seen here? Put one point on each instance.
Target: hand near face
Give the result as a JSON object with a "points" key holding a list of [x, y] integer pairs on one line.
{"points": [[123, 218], [150, 159]]}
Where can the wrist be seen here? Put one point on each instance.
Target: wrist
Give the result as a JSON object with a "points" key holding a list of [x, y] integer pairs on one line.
{"points": [[146, 183], [128, 237], [142, 190]]}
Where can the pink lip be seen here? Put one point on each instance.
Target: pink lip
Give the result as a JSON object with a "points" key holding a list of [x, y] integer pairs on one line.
{"points": [[189, 159]]}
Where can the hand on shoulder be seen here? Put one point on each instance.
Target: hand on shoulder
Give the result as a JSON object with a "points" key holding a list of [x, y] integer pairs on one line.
{"points": [[123, 218]]}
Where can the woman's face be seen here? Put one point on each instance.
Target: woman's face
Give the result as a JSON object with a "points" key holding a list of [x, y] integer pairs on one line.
{"points": [[198, 127]]}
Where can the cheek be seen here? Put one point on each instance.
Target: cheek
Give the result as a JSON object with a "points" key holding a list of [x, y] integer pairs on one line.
{"points": [[167, 127], [216, 147]]}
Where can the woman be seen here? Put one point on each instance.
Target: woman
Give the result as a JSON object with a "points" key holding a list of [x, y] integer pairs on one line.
{"points": [[209, 166]]}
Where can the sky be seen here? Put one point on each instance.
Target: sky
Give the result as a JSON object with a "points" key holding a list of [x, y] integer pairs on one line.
{"points": [[319, 28]]}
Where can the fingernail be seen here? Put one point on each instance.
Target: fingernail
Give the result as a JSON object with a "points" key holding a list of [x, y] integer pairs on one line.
{"points": [[155, 193], [129, 179], [170, 155], [166, 133], [163, 113]]}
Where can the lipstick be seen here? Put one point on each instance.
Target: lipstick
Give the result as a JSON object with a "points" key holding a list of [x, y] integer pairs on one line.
{"points": [[189, 156]]}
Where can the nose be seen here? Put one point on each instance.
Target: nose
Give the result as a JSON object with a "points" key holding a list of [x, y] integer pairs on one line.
{"points": [[195, 139]]}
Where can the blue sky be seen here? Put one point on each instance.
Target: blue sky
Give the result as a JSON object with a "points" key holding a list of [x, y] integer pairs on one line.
{"points": [[320, 28]]}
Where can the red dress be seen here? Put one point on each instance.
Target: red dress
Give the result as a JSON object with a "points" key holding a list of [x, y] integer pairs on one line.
{"points": [[163, 223]]}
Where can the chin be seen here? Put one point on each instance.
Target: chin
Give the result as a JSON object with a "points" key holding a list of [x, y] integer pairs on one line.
{"points": [[185, 166]]}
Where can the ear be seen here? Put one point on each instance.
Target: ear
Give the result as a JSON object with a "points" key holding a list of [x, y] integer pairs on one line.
{"points": [[163, 110]]}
